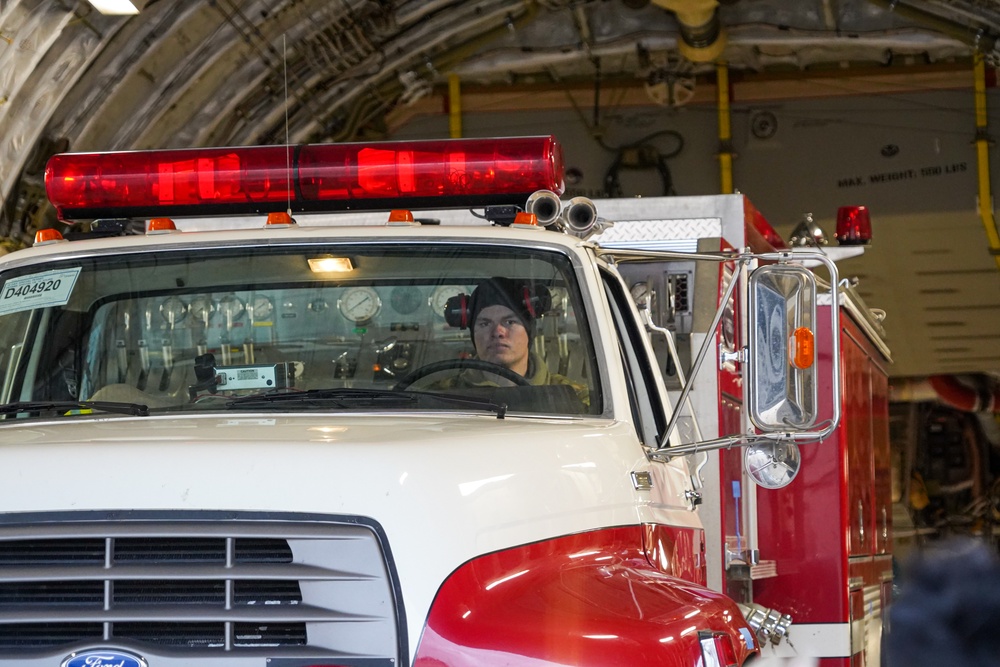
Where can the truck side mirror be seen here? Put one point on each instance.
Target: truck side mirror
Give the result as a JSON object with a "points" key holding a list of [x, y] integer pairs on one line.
{"points": [[782, 376]]}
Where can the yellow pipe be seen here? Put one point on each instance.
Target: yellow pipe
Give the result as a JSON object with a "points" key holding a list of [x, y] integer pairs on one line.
{"points": [[702, 36], [725, 131], [454, 106], [983, 159]]}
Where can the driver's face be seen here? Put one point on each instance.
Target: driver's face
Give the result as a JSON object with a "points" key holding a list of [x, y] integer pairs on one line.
{"points": [[501, 338]]}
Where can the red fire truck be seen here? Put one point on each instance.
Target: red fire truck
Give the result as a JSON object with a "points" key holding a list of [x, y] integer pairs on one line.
{"points": [[810, 558], [301, 445]]}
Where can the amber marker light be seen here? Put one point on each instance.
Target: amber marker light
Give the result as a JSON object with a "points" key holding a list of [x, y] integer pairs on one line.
{"points": [[47, 236], [400, 216], [802, 347], [161, 226], [279, 219]]}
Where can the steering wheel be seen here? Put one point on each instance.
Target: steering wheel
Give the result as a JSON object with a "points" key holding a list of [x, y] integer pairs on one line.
{"points": [[461, 364]]}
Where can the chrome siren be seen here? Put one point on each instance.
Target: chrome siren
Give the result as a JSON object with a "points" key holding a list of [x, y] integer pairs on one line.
{"points": [[579, 217], [546, 206]]}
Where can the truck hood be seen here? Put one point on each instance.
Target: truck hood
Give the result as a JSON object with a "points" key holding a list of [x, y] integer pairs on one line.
{"points": [[445, 488]]}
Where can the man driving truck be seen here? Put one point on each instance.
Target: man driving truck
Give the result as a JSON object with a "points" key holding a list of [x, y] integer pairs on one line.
{"points": [[502, 315]]}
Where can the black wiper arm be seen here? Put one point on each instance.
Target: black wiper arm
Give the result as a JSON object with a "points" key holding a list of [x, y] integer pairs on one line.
{"points": [[499, 408], [134, 409], [358, 397]]}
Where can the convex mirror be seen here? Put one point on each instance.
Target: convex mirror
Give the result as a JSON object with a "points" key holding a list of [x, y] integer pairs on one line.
{"points": [[772, 464]]}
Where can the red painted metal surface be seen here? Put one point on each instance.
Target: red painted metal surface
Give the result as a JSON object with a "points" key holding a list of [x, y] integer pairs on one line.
{"points": [[757, 224], [592, 598], [856, 440], [679, 552], [882, 459], [814, 525]]}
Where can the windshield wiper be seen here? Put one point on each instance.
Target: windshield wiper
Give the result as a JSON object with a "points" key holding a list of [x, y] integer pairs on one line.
{"points": [[134, 409], [361, 398]]}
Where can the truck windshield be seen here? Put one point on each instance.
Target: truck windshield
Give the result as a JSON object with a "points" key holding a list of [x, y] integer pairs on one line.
{"points": [[205, 328]]}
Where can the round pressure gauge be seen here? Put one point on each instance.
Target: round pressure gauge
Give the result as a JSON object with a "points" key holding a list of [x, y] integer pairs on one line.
{"points": [[173, 309], [772, 464], [406, 299], [201, 308], [439, 298], [231, 307], [642, 294], [359, 304], [262, 308]]}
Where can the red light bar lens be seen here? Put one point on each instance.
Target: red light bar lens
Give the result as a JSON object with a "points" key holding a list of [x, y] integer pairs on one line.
{"points": [[260, 179], [432, 169], [167, 178], [854, 226]]}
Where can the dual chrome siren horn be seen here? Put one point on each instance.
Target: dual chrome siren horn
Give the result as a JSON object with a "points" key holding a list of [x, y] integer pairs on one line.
{"points": [[578, 216], [546, 206]]}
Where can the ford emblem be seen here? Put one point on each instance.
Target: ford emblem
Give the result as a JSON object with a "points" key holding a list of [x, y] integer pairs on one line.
{"points": [[104, 658]]}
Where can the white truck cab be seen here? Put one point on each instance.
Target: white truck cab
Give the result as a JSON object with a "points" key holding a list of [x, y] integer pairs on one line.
{"points": [[281, 447]]}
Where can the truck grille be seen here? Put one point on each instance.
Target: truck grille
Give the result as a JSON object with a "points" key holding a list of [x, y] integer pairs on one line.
{"points": [[314, 589]]}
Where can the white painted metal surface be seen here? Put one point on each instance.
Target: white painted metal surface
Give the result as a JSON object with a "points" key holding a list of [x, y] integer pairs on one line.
{"points": [[446, 488]]}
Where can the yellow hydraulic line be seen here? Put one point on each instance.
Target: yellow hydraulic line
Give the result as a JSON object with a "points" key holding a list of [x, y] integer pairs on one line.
{"points": [[983, 159], [454, 106], [725, 132]]}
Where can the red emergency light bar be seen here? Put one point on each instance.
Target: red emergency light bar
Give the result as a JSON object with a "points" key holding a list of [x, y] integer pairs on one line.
{"points": [[312, 177]]}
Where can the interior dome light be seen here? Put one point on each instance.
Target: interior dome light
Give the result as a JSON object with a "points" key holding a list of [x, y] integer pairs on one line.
{"points": [[330, 264], [854, 226]]}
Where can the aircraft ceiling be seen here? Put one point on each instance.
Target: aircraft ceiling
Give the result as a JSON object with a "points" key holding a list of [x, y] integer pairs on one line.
{"points": [[186, 73]]}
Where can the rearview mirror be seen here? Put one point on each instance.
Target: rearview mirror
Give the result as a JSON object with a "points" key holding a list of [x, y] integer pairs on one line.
{"points": [[781, 363]]}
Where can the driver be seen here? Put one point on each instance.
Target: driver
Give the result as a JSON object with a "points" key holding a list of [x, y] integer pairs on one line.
{"points": [[502, 318], [502, 327]]}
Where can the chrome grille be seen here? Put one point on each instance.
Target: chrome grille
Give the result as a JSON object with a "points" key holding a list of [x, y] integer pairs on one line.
{"points": [[223, 588]]}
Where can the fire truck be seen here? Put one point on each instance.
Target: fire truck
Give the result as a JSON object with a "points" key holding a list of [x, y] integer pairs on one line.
{"points": [[815, 547], [281, 445]]}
